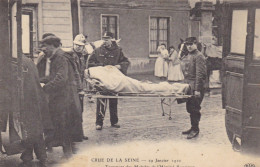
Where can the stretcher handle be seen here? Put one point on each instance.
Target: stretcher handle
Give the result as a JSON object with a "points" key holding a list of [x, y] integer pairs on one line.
{"points": [[87, 62], [87, 76]]}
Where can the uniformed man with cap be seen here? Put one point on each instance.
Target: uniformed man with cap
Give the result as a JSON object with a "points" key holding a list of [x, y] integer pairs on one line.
{"points": [[194, 70], [108, 54]]}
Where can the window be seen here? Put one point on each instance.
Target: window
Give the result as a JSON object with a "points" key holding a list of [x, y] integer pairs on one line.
{"points": [[30, 30], [26, 33], [238, 31], [14, 31], [159, 33], [257, 36], [110, 24]]}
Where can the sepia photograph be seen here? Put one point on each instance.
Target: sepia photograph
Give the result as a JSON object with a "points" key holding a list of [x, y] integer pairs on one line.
{"points": [[130, 83]]}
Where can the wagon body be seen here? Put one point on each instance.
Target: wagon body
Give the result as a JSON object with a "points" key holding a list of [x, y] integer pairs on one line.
{"points": [[241, 70]]}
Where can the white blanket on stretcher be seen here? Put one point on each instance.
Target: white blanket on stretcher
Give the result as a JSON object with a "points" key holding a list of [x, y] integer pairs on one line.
{"points": [[114, 80]]}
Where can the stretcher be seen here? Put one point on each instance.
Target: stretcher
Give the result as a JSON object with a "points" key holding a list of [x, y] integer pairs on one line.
{"points": [[101, 94]]}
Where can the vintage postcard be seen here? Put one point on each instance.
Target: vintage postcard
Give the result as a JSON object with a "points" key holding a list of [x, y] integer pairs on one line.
{"points": [[130, 83]]}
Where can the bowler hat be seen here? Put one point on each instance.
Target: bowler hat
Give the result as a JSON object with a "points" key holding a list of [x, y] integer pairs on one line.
{"points": [[47, 34], [108, 35], [191, 40], [49, 38]]}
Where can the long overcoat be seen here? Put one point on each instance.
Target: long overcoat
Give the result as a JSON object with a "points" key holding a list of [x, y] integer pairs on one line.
{"points": [[34, 112], [61, 87], [76, 129]]}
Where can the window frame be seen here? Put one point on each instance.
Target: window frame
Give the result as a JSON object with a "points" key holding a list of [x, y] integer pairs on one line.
{"points": [[30, 14], [255, 58], [117, 24], [231, 25], [168, 32], [32, 9]]}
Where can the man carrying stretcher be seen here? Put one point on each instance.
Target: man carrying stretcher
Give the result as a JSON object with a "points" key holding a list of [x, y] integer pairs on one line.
{"points": [[108, 54], [194, 70]]}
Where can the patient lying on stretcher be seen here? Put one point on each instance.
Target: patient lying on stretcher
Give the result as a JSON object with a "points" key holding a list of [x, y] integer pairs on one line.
{"points": [[110, 78]]}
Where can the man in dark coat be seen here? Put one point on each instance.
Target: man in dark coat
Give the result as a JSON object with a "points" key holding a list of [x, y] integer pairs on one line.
{"points": [[34, 115], [108, 54], [57, 75], [78, 59], [194, 74], [75, 110]]}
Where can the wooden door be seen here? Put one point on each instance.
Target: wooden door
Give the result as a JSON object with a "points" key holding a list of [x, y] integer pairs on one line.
{"points": [[234, 53], [17, 70], [251, 96], [11, 74]]}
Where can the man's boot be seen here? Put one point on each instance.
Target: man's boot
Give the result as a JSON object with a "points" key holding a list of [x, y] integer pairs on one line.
{"points": [[115, 125], [98, 127], [193, 134], [85, 137], [187, 132], [195, 118]]}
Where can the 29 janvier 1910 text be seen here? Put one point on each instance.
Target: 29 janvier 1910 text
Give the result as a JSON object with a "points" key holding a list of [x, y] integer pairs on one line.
{"points": [[133, 160]]}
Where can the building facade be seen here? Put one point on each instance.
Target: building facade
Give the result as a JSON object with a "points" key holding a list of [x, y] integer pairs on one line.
{"points": [[141, 26], [42, 16]]}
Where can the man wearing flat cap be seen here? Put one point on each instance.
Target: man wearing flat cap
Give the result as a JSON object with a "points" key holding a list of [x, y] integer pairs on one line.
{"points": [[194, 70], [108, 54], [58, 80]]}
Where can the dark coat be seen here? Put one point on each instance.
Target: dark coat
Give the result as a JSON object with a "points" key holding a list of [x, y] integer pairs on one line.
{"points": [[194, 70], [34, 113], [80, 64], [61, 87], [80, 60], [76, 129], [109, 56]]}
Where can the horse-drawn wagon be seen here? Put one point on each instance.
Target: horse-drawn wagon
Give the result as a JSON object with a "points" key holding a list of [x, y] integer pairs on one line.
{"points": [[11, 93], [241, 69]]}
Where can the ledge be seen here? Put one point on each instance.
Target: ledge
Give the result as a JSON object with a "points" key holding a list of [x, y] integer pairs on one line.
{"points": [[148, 5]]}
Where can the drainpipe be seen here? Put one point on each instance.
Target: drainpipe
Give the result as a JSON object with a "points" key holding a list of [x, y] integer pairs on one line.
{"points": [[74, 17]]}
